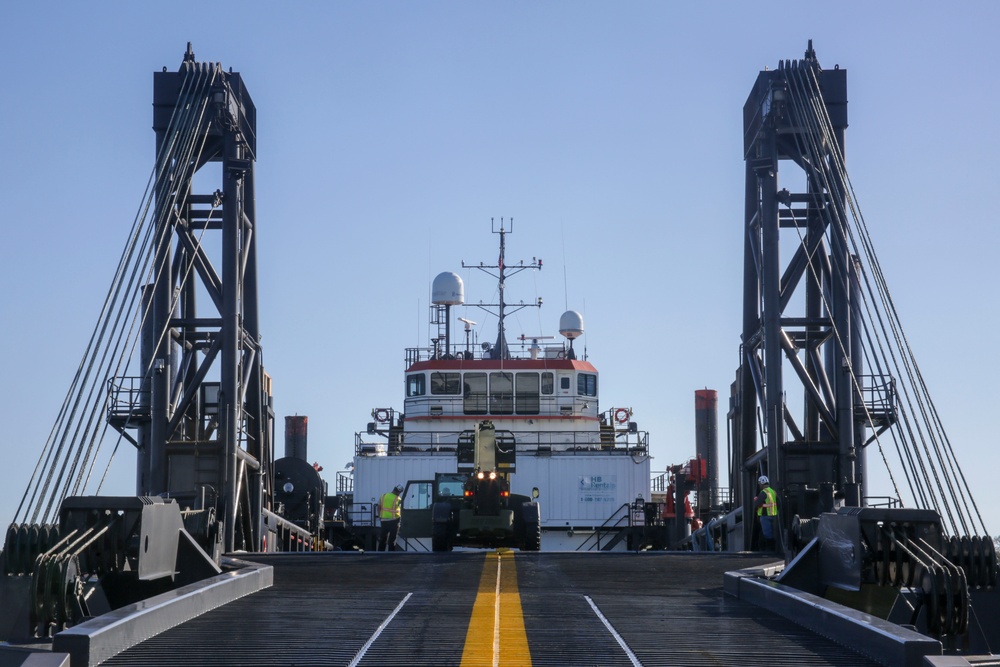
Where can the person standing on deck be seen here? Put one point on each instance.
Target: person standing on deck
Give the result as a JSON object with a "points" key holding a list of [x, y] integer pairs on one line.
{"points": [[389, 516], [767, 511]]}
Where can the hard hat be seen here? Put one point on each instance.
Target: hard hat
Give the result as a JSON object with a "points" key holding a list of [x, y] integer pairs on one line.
{"points": [[762, 479], [397, 488]]}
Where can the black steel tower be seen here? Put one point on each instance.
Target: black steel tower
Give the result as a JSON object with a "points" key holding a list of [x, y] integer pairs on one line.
{"points": [[799, 315], [204, 413]]}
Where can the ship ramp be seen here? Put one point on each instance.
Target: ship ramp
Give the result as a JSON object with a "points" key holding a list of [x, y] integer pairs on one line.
{"points": [[489, 608]]}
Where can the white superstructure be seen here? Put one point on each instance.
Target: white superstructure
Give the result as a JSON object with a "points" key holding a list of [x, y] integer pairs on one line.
{"points": [[589, 465]]}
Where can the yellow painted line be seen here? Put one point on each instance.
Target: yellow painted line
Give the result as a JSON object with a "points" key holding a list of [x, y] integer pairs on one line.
{"points": [[496, 634]]}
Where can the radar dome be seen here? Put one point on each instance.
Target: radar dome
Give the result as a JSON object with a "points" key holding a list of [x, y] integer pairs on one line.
{"points": [[448, 289], [571, 324]]}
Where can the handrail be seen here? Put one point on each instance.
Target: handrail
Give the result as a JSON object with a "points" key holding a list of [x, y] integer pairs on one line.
{"points": [[606, 528], [433, 442]]}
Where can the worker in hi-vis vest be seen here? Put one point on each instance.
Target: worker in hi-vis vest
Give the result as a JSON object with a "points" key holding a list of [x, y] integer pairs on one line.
{"points": [[388, 514], [767, 511]]}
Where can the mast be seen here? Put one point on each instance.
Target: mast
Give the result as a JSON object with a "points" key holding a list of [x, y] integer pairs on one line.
{"points": [[501, 345], [500, 349]]}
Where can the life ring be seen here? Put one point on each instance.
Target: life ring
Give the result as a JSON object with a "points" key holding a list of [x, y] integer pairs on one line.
{"points": [[621, 415], [382, 415]]}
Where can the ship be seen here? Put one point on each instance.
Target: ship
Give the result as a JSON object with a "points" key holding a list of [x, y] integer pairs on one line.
{"points": [[589, 466], [223, 554]]}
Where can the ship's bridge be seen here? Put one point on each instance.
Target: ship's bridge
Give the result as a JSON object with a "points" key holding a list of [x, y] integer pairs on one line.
{"points": [[505, 389]]}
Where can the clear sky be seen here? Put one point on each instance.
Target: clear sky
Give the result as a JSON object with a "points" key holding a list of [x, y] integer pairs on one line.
{"points": [[390, 133]]}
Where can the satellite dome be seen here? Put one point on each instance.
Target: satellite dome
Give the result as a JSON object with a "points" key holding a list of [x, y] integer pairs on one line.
{"points": [[571, 324], [448, 289]]}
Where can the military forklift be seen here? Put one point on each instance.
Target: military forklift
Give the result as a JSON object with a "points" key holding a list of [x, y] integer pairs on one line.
{"points": [[474, 506]]}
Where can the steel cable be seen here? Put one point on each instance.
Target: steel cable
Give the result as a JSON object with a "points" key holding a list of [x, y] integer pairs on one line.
{"points": [[67, 415], [78, 419], [924, 401], [806, 99], [817, 112]]}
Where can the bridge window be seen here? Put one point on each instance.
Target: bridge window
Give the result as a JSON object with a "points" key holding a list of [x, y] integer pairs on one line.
{"points": [[586, 384], [474, 392], [501, 393], [548, 384], [446, 383], [526, 393], [416, 384]]}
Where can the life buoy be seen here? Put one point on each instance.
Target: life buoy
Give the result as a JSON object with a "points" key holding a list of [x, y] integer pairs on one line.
{"points": [[621, 415], [382, 415]]}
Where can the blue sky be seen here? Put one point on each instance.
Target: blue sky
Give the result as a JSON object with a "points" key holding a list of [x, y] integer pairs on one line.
{"points": [[390, 133]]}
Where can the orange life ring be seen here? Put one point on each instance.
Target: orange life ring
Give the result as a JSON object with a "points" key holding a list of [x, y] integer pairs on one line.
{"points": [[382, 415], [621, 415]]}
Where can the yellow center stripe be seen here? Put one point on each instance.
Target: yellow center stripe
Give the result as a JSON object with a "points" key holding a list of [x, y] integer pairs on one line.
{"points": [[496, 629]]}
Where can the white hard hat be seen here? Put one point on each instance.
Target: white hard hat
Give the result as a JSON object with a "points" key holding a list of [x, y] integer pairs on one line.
{"points": [[762, 479]]}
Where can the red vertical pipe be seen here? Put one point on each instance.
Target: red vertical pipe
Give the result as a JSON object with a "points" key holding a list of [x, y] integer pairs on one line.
{"points": [[706, 420], [296, 437]]}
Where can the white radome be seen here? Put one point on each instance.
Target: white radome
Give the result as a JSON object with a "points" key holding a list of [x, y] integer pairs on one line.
{"points": [[448, 289], [571, 324]]}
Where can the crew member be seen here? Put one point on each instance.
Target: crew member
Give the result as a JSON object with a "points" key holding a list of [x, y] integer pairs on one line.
{"points": [[389, 516], [767, 511]]}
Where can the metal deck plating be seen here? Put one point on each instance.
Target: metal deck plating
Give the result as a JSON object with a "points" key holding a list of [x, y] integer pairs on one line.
{"points": [[647, 609]]}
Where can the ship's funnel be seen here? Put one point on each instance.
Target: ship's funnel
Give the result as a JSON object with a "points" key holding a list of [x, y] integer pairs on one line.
{"points": [[296, 437], [706, 430]]}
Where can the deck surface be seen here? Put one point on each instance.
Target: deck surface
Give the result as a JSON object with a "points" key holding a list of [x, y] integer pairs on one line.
{"points": [[485, 608]]}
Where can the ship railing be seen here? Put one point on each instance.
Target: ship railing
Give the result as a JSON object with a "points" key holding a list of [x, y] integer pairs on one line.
{"points": [[882, 501], [526, 349], [128, 401], [345, 482], [361, 514], [879, 401], [611, 529], [288, 535], [541, 442], [658, 482]]}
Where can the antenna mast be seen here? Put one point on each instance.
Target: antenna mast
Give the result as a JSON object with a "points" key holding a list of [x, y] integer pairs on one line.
{"points": [[501, 350]]}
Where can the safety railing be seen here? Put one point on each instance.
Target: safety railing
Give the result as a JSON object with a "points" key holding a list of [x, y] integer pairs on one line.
{"points": [[620, 519], [459, 350], [128, 400], [289, 536], [431, 442], [879, 401]]}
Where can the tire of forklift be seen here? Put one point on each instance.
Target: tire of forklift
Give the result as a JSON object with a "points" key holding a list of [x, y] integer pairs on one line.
{"points": [[532, 522], [439, 537], [532, 537]]}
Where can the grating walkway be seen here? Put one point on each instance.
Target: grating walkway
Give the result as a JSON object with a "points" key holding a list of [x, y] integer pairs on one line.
{"points": [[414, 609]]}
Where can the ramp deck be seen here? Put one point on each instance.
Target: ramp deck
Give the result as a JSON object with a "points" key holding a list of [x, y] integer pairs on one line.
{"points": [[415, 609]]}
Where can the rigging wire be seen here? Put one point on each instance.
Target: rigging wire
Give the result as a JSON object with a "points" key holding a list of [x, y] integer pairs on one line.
{"points": [[68, 467], [930, 462]]}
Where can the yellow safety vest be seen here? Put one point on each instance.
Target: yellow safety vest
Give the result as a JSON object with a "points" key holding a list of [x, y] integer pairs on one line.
{"points": [[390, 506], [771, 505]]}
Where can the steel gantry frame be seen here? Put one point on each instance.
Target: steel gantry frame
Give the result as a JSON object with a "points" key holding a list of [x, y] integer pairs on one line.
{"points": [[811, 460], [204, 414]]}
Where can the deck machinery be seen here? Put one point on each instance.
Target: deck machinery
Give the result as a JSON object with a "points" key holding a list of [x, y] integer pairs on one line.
{"points": [[814, 342], [196, 404]]}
